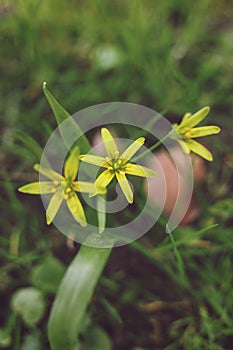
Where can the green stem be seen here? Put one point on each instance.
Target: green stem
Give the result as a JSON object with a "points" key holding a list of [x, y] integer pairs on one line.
{"points": [[152, 148], [180, 263], [73, 297], [17, 333]]}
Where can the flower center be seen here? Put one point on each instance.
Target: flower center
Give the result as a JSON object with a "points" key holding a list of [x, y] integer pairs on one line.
{"points": [[116, 165], [186, 132], [67, 187]]}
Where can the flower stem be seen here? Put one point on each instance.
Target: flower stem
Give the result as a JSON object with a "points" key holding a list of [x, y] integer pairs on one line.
{"points": [[152, 148]]}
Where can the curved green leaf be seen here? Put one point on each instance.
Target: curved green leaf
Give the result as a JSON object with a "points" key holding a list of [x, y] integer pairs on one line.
{"points": [[73, 296]]}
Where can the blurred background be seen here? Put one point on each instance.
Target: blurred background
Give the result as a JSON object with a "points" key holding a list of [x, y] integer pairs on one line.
{"points": [[173, 56]]}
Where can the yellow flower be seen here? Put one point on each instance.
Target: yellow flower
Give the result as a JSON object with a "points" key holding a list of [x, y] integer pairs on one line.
{"points": [[62, 187], [117, 165], [187, 132]]}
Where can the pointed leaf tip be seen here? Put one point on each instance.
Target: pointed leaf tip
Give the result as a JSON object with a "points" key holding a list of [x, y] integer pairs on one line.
{"points": [[72, 129]]}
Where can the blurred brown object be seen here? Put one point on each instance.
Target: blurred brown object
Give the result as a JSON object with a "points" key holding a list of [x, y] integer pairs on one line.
{"points": [[162, 315], [160, 305], [169, 172]]}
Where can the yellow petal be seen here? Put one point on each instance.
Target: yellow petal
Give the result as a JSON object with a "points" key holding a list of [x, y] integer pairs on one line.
{"points": [[95, 160], [53, 175], [38, 188], [196, 118], [76, 209], [186, 116], [53, 206], [81, 186], [124, 184], [101, 183], [184, 146], [104, 179], [139, 170], [100, 190], [132, 149], [72, 164], [199, 149], [204, 131], [109, 143]]}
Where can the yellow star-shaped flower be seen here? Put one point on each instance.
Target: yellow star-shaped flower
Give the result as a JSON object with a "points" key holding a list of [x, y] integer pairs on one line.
{"points": [[186, 132], [62, 187], [117, 165]]}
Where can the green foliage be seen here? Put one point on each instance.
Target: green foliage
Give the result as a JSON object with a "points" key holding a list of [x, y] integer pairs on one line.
{"points": [[48, 274], [5, 338], [32, 341], [173, 56], [61, 115], [29, 304], [74, 293], [96, 339]]}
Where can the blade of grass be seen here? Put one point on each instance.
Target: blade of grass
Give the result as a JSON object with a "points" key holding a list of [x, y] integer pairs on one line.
{"points": [[180, 263], [30, 143], [187, 238]]}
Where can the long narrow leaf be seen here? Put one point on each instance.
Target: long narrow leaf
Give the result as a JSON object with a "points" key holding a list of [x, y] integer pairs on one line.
{"points": [[73, 296], [61, 115], [31, 144]]}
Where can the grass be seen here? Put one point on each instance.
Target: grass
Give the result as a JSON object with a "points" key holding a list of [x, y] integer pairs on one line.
{"points": [[172, 56]]}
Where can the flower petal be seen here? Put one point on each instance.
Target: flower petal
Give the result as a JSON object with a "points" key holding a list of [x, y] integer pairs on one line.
{"points": [[51, 174], [81, 186], [109, 143], [53, 206], [103, 180], [72, 164], [124, 184], [139, 170], [195, 118], [96, 160], [199, 149], [76, 209], [186, 116], [42, 187], [184, 146], [204, 131], [133, 148]]}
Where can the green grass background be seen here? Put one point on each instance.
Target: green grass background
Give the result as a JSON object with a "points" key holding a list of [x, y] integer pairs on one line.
{"points": [[172, 56]]}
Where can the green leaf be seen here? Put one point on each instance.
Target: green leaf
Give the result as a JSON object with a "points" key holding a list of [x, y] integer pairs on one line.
{"points": [[30, 143], [29, 304], [48, 275], [72, 128], [73, 296], [97, 339], [112, 311], [32, 341], [5, 338]]}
